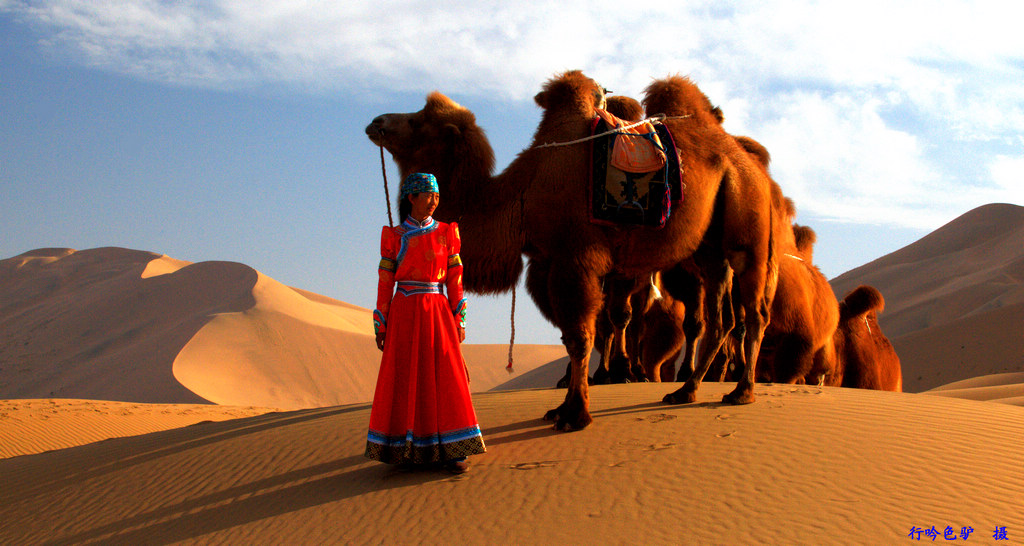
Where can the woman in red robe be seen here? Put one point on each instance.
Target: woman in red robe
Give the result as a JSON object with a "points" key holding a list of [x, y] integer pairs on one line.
{"points": [[422, 411]]}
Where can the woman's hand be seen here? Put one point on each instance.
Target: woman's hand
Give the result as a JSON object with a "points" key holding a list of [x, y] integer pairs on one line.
{"points": [[380, 341], [462, 333]]}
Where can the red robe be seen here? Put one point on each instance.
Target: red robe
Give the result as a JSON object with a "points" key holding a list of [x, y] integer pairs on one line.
{"points": [[422, 410]]}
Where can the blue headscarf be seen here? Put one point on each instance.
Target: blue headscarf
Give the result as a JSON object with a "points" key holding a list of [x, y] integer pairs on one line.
{"points": [[418, 183]]}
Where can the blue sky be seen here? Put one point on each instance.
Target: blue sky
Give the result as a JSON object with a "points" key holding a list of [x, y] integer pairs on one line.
{"points": [[217, 130]]}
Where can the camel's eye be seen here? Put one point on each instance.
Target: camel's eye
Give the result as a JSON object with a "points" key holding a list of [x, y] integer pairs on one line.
{"points": [[415, 123]]}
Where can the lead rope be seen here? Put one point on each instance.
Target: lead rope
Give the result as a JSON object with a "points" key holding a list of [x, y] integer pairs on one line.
{"points": [[387, 194], [657, 118], [512, 318], [512, 340]]}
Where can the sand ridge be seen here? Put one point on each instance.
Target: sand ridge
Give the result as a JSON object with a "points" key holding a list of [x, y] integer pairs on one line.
{"points": [[38, 425]]}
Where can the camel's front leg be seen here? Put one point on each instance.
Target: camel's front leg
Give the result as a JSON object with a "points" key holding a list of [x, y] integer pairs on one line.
{"points": [[683, 282], [717, 287], [577, 300], [574, 413], [757, 289]]}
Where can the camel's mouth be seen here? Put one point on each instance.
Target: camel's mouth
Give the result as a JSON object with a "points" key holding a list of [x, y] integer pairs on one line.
{"points": [[375, 132]]}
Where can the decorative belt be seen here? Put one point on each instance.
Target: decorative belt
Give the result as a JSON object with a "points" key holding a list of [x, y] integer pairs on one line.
{"points": [[408, 288]]}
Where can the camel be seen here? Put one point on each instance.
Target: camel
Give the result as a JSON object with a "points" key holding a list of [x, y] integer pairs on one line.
{"points": [[537, 207], [656, 337], [804, 312], [863, 357]]}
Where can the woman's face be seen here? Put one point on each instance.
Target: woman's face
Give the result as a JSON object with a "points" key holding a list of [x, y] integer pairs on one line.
{"points": [[423, 204]]}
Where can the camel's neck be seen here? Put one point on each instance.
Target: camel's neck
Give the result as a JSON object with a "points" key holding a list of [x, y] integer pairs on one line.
{"points": [[487, 210]]}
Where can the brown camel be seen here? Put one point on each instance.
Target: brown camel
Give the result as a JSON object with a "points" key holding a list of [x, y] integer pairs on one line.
{"points": [[805, 311], [537, 206], [804, 316], [863, 357]]}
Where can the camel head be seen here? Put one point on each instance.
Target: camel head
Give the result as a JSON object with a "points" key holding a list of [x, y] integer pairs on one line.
{"points": [[573, 94], [442, 139]]}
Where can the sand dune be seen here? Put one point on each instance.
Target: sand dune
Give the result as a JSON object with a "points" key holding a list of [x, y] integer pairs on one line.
{"points": [[128, 325], [120, 324], [802, 465], [88, 325]]}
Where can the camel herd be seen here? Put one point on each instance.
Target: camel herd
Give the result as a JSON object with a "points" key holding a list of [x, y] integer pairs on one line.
{"points": [[729, 278]]}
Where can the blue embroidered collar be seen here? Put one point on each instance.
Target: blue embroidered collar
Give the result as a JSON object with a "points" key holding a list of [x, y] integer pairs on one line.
{"points": [[413, 228], [411, 223]]}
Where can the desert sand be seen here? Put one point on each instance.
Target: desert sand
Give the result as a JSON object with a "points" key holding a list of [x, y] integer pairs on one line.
{"points": [[149, 400], [802, 465]]}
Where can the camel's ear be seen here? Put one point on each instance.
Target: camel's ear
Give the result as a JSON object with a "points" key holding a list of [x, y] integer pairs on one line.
{"points": [[719, 115], [541, 99]]}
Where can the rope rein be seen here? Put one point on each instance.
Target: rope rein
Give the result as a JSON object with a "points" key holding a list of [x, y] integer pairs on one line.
{"points": [[512, 319], [387, 194], [512, 339], [659, 118]]}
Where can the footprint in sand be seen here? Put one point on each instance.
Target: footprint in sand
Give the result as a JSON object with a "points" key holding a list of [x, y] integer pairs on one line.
{"points": [[660, 446], [533, 465], [657, 418], [726, 434]]}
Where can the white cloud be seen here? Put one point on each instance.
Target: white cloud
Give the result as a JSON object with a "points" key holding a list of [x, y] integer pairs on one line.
{"points": [[813, 81], [836, 157], [1008, 176]]}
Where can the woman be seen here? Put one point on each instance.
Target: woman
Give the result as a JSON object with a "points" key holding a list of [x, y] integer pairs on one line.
{"points": [[422, 412]]}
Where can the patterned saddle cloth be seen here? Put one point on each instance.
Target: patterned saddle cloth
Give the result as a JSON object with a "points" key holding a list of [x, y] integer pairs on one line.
{"points": [[635, 178]]}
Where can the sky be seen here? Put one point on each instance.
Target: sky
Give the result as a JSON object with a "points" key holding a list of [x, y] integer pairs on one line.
{"points": [[227, 130]]}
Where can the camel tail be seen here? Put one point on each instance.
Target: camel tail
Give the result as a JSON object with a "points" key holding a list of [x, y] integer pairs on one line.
{"points": [[861, 300]]}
